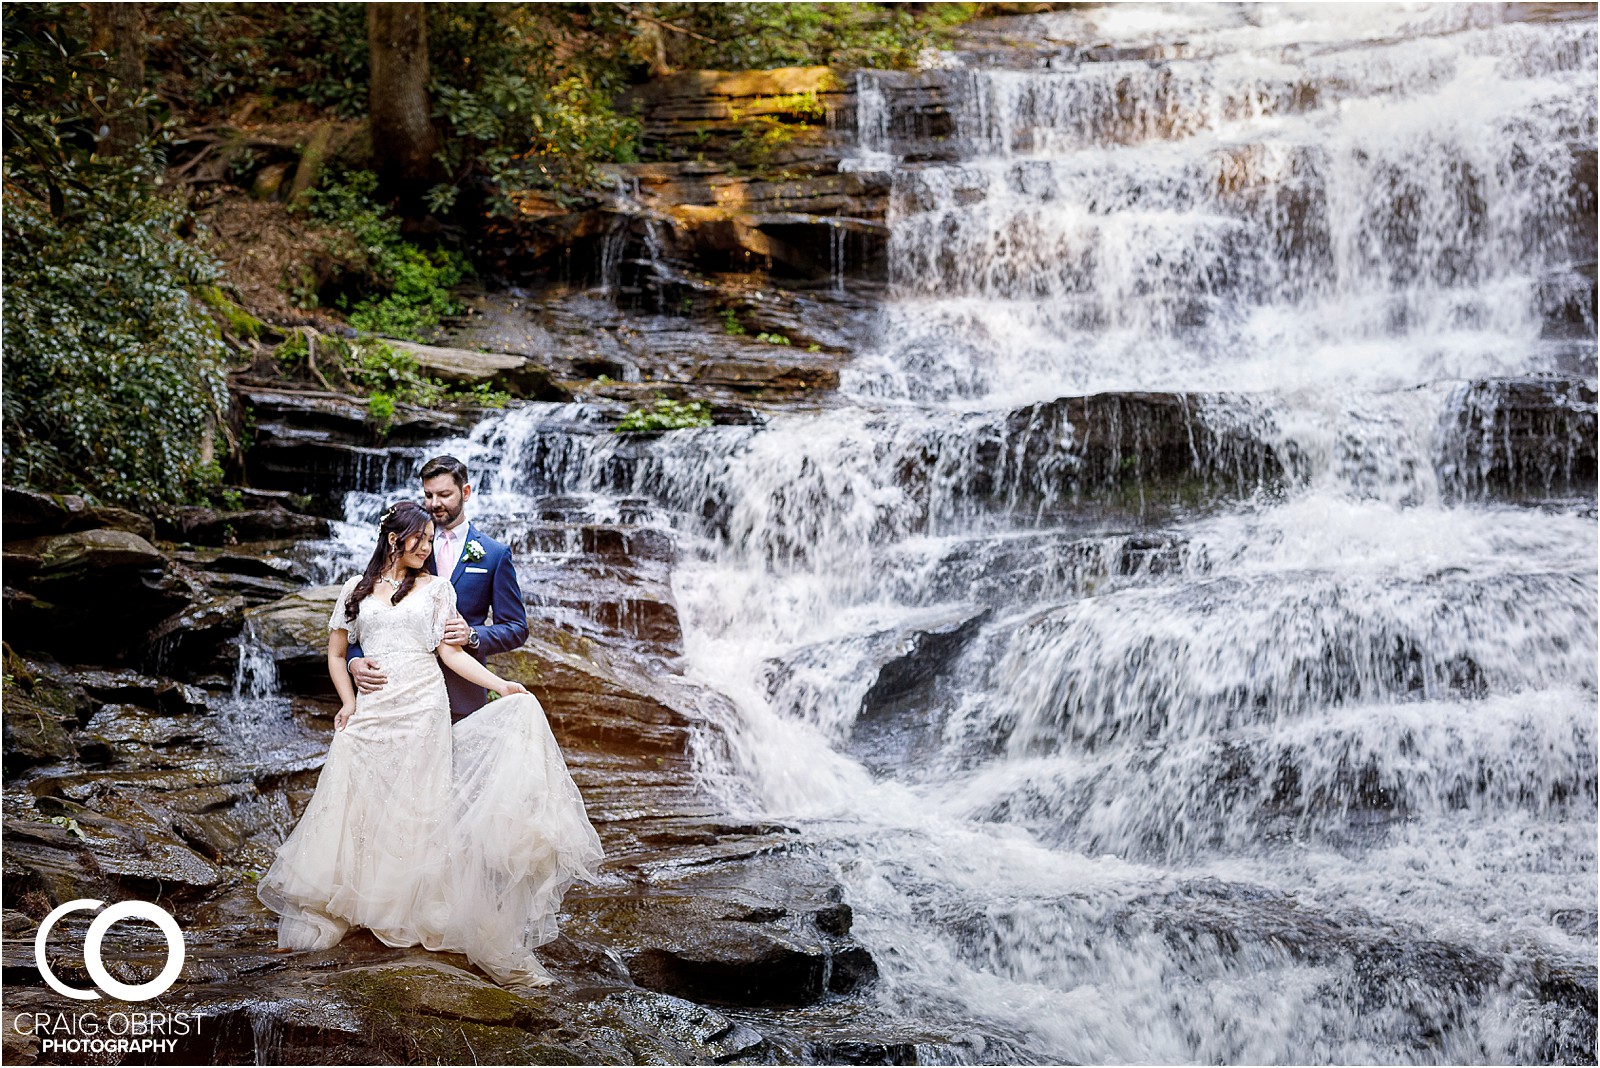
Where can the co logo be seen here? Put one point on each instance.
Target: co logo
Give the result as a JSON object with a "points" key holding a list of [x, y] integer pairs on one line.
{"points": [[127, 910]]}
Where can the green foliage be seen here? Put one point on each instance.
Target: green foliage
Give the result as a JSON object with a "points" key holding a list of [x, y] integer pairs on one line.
{"points": [[415, 285], [666, 414], [772, 339], [113, 372], [731, 324], [56, 110], [747, 36], [482, 395], [213, 57], [382, 370], [380, 412], [524, 93], [70, 825]]}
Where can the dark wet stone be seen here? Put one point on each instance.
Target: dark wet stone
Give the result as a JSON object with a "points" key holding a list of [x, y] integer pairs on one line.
{"points": [[40, 714], [217, 526], [114, 577], [29, 514], [1520, 439], [589, 697], [130, 687], [762, 928], [318, 445], [200, 638]]}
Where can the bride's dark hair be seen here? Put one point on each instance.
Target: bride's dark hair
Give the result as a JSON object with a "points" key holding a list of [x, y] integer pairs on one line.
{"points": [[405, 520]]}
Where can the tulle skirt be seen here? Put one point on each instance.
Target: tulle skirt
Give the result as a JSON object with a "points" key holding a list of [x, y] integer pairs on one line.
{"points": [[456, 839]]}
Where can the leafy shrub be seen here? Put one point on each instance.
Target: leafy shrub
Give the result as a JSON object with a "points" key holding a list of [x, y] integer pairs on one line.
{"points": [[666, 414], [743, 36], [731, 324], [380, 411], [524, 93], [379, 369], [114, 374], [415, 284], [772, 339]]}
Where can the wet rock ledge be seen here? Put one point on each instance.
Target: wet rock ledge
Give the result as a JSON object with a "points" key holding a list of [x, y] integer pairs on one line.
{"points": [[169, 771]]}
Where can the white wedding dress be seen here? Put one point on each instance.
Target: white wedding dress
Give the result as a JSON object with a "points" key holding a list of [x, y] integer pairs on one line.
{"points": [[459, 840]]}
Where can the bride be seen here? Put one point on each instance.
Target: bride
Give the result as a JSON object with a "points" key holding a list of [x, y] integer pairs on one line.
{"points": [[459, 840]]}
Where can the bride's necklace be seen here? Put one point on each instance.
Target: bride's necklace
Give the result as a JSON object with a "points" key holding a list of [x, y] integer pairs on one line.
{"points": [[393, 582]]}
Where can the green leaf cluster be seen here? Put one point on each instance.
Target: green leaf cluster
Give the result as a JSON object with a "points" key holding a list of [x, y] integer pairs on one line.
{"points": [[742, 36], [524, 93], [666, 414], [114, 373], [413, 285]]}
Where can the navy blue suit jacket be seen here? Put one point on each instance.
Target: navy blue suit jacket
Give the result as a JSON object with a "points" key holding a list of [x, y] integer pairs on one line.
{"points": [[482, 585]]}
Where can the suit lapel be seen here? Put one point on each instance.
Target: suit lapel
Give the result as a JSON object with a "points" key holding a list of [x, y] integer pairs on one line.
{"points": [[461, 560]]}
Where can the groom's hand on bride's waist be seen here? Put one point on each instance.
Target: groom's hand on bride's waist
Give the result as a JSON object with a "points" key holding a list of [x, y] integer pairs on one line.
{"points": [[368, 674]]}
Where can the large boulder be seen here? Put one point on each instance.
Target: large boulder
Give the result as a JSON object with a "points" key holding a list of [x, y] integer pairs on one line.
{"points": [[103, 550], [762, 929], [217, 526], [93, 596], [294, 632], [593, 698], [29, 514]]}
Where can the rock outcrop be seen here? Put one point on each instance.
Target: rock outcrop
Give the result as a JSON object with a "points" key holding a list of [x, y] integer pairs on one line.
{"points": [[124, 784]]}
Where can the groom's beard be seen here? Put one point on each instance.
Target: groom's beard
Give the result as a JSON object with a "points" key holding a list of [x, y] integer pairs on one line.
{"points": [[444, 517]]}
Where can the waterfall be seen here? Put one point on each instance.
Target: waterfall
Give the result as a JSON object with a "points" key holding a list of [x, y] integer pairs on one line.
{"points": [[1181, 640]]}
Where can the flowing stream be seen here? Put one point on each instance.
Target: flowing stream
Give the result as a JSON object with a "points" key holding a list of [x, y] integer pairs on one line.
{"points": [[1284, 750]]}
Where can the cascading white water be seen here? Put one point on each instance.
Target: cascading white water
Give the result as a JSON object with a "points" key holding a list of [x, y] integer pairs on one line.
{"points": [[1265, 735], [1356, 710]]}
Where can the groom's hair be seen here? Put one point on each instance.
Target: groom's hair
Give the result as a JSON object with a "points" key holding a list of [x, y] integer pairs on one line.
{"points": [[445, 465]]}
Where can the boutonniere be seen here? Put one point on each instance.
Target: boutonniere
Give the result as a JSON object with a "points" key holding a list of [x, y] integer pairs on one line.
{"points": [[474, 551]]}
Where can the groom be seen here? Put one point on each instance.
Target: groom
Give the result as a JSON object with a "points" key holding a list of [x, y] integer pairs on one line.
{"points": [[480, 568]]}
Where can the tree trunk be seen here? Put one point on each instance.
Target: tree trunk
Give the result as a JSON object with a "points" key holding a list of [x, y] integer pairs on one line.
{"points": [[650, 30], [118, 31], [403, 137]]}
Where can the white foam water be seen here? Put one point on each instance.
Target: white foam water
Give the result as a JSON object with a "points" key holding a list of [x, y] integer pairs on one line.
{"points": [[1295, 763]]}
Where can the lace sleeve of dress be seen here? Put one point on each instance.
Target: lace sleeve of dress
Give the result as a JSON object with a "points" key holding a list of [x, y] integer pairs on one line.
{"points": [[336, 621], [444, 606]]}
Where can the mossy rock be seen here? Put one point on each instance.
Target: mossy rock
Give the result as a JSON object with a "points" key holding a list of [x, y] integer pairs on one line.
{"points": [[434, 1012], [240, 322], [40, 714]]}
